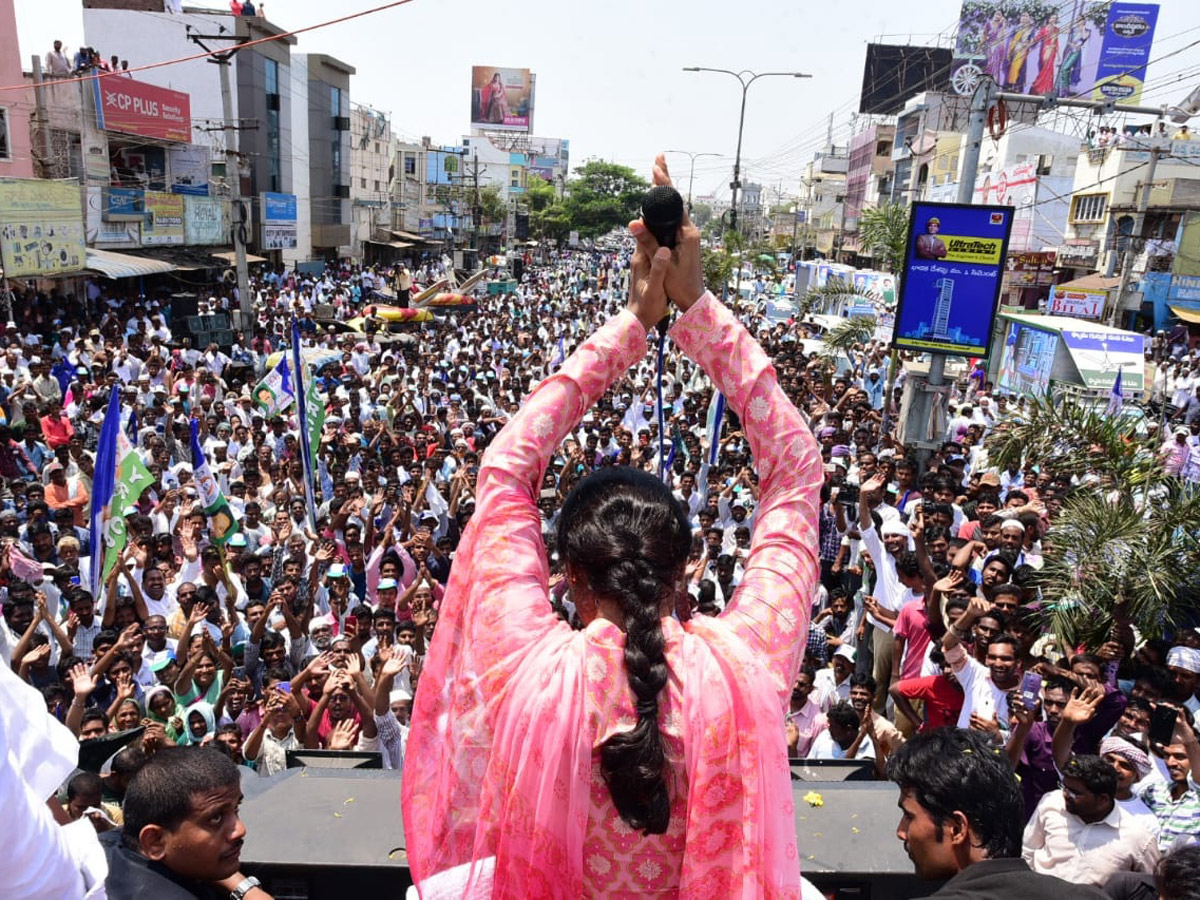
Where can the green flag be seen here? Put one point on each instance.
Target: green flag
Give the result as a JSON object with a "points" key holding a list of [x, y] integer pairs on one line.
{"points": [[132, 478], [314, 414]]}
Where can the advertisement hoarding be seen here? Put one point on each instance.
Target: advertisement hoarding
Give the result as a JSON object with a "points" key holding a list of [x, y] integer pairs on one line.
{"points": [[893, 74], [133, 107], [124, 205], [1030, 268], [41, 227], [164, 219], [1092, 49], [501, 99], [1027, 360], [952, 277], [1076, 303], [204, 221], [278, 221], [189, 170], [1099, 354]]}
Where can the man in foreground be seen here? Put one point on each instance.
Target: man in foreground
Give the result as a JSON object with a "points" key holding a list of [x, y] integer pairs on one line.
{"points": [[962, 816], [182, 836]]}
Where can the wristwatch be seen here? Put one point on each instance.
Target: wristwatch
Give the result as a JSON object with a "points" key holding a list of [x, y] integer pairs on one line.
{"points": [[247, 884]]}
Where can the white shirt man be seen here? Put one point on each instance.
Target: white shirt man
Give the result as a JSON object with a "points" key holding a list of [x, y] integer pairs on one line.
{"points": [[1061, 843]]}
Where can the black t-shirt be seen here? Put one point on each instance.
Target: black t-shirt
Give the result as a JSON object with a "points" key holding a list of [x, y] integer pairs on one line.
{"points": [[133, 877]]}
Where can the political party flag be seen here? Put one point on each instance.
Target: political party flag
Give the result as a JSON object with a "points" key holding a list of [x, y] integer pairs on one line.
{"points": [[314, 413], [132, 478], [221, 522], [276, 392], [716, 418], [306, 420], [559, 355], [1117, 400], [103, 484]]}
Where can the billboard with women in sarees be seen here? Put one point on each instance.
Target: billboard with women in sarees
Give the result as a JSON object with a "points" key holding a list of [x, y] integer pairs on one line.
{"points": [[1062, 48]]}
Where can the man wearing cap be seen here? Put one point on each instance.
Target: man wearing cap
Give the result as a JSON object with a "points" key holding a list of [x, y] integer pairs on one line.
{"points": [[1174, 451], [1184, 665]]}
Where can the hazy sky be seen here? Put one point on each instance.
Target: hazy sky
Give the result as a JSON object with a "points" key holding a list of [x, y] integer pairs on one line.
{"points": [[608, 73]]}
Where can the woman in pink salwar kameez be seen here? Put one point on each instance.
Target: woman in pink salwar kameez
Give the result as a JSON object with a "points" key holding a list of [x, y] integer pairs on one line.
{"points": [[514, 786]]}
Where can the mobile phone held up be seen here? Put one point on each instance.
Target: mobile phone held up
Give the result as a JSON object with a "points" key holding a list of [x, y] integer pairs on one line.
{"points": [[1031, 689], [1162, 724]]}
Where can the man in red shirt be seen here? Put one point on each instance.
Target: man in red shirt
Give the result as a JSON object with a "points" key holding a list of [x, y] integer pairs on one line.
{"points": [[56, 427], [941, 694]]}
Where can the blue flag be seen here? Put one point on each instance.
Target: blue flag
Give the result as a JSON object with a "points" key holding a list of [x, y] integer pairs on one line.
{"points": [[716, 418], [104, 482], [1117, 400]]}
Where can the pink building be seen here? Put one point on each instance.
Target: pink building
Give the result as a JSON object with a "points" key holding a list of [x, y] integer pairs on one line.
{"points": [[16, 159]]}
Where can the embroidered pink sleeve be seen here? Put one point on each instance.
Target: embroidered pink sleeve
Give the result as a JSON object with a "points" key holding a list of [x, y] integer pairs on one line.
{"points": [[505, 560], [771, 607]]}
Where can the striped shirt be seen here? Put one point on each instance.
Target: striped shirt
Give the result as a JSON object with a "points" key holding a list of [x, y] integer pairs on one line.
{"points": [[1176, 818]]}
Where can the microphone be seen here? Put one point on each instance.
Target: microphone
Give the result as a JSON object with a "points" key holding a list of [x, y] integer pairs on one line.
{"points": [[662, 213]]}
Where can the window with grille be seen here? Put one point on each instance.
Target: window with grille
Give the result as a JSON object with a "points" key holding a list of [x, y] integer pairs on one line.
{"points": [[5, 144], [1089, 208]]}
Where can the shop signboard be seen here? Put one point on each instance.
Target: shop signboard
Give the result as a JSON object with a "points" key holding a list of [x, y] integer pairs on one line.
{"points": [[41, 227]]}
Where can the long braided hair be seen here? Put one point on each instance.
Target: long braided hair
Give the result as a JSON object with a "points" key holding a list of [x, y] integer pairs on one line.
{"points": [[623, 529]]}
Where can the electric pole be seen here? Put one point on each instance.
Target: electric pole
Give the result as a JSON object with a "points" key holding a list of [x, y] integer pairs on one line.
{"points": [[233, 169]]}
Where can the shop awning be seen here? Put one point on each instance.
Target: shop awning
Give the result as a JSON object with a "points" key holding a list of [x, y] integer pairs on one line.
{"points": [[230, 257], [122, 265], [395, 245], [1187, 315]]}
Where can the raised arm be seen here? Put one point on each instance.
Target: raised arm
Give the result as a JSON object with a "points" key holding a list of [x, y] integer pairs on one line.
{"points": [[771, 607], [502, 558]]}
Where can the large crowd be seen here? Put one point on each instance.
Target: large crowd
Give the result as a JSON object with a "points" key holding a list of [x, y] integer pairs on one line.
{"points": [[291, 637]]}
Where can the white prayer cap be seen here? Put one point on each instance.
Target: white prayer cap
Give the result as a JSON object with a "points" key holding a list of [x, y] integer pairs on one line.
{"points": [[1184, 658], [894, 527]]}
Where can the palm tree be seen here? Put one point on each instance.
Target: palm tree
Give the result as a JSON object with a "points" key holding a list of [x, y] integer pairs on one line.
{"points": [[843, 337], [1123, 548], [883, 231]]}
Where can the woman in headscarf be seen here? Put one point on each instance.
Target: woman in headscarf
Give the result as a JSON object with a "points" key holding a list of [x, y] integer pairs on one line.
{"points": [[162, 709], [199, 723]]}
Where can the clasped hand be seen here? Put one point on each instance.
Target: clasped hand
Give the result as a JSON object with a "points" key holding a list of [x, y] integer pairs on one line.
{"points": [[658, 273]]}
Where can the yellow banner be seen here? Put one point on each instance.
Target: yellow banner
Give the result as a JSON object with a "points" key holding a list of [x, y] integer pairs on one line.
{"points": [[41, 227], [981, 251]]}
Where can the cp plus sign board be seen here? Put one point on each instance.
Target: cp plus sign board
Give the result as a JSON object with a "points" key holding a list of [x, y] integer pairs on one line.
{"points": [[133, 107]]}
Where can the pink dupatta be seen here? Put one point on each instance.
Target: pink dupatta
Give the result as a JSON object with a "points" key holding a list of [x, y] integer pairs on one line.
{"points": [[512, 704]]}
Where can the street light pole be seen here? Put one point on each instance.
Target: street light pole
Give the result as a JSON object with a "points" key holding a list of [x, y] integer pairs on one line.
{"points": [[692, 171], [745, 79]]}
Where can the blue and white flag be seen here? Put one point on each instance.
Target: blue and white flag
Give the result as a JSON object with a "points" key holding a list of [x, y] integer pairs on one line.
{"points": [[104, 482], [716, 418], [1117, 400], [559, 355]]}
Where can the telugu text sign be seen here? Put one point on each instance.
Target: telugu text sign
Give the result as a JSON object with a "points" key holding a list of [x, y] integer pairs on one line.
{"points": [[952, 277]]}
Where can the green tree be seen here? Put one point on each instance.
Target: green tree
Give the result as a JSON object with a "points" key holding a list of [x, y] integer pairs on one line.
{"points": [[604, 196], [883, 231], [718, 266], [540, 194], [701, 214], [1123, 549], [492, 208]]}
